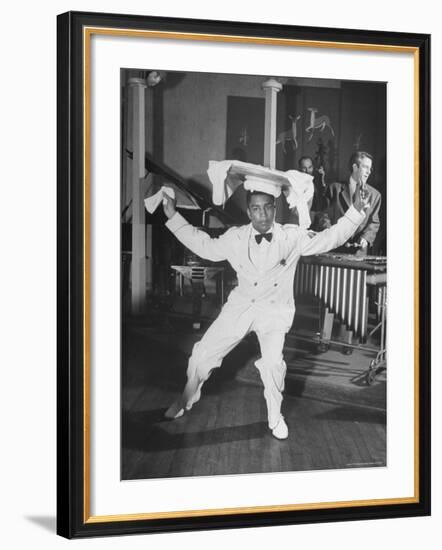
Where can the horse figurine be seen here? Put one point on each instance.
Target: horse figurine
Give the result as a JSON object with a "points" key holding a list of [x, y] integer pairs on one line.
{"points": [[318, 123], [289, 135]]}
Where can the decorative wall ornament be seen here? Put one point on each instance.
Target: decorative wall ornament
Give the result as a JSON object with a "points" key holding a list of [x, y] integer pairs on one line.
{"points": [[318, 123], [244, 137], [289, 135]]}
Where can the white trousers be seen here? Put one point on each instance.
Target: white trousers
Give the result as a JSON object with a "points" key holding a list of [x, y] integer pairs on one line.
{"points": [[221, 337]]}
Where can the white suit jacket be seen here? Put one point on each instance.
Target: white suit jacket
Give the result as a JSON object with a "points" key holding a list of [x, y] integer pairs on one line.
{"points": [[264, 297]]}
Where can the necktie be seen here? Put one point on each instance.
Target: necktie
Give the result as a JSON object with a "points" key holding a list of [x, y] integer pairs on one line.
{"points": [[261, 236]]}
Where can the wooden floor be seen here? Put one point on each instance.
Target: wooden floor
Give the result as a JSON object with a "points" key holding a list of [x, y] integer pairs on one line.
{"points": [[226, 432]]}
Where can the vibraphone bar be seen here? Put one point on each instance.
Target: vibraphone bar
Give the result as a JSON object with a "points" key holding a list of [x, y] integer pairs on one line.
{"points": [[341, 282]]}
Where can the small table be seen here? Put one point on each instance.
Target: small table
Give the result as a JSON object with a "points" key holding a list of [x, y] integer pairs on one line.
{"points": [[197, 275]]}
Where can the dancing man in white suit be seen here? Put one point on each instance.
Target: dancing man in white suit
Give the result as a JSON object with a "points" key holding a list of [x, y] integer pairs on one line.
{"points": [[264, 255]]}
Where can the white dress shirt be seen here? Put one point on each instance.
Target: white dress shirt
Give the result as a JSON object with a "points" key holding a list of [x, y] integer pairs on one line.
{"points": [[352, 187], [259, 253]]}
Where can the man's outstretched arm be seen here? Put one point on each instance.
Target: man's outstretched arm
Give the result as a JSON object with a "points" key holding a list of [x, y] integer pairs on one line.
{"points": [[199, 242], [339, 233]]}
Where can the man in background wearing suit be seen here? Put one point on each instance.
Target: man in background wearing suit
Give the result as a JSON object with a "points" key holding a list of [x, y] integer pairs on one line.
{"points": [[339, 197]]}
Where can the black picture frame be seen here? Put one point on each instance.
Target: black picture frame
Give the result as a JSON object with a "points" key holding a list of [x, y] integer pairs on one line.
{"points": [[73, 514]]}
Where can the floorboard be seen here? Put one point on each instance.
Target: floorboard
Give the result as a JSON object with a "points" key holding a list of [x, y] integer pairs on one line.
{"points": [[335, 420]]}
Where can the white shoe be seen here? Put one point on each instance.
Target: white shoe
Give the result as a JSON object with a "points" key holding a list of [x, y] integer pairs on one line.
{"points": [[280, 431], [174, 411]]}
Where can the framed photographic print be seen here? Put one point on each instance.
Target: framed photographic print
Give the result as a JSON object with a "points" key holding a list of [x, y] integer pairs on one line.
{"points": [[243, 274]]}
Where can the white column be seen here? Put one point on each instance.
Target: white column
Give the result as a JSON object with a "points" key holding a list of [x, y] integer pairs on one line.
{"points": [[271, 88], [138, 271], [148, 182]]}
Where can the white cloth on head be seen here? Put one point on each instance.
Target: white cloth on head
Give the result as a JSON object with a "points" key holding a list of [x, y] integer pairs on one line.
{"points": [[152, 203], [227, 175], [217, 173], [253, 183], [299, 193]]}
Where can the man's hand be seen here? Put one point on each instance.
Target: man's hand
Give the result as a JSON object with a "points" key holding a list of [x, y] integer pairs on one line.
{"points": [[363, 243], [363, 247], [169, 205], [360, 199], [321, 173]]}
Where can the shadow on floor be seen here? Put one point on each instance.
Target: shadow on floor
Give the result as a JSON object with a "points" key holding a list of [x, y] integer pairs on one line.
{"points": [[354, 414], [48, 523], [147, 431]]}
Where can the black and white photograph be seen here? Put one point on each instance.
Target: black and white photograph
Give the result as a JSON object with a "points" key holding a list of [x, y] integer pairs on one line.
{"points": [[253, 274]]}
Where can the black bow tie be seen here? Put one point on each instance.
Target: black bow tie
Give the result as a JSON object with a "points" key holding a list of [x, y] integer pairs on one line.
{"points": [[261, 236]]}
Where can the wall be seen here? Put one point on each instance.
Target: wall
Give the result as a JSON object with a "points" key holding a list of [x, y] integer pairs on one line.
{"points": [[195, 115], [27, 403], [191, 127], [189, 122]]}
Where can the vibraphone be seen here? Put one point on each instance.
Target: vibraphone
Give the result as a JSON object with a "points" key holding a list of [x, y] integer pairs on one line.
{"points": [[343, 283]]}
